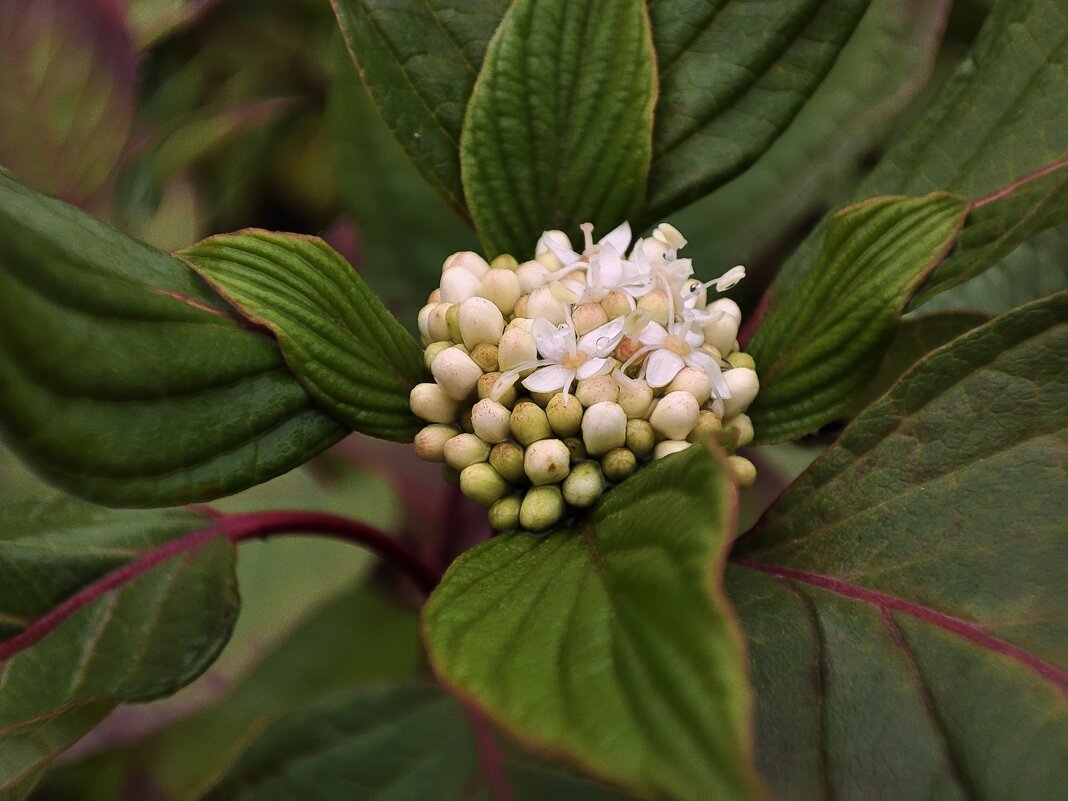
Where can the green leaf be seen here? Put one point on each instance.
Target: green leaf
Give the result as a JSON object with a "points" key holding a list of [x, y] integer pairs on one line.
{"points": [[348, 351], [733, 75], [559, 126], [67, 94], [124, 379], [904, 601], [154, 20], [419, 58], [823, 341], [141, 641], [609, 643]]}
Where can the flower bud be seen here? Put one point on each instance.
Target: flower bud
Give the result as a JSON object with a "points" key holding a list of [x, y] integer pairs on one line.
{"points": [[528, 423], [485, 356], [504, 514], [697, 382], [604, 426], [640, 437], [506, 261], [465, 259], [465, 421], [617, 303], [490, 421], [670, 236], [597, 389], [480, 321], [423, 323], [742, 427], [458, 284], [656, 304], [452, 323], [542, 398], [516, 347], [654, 249], [482, 484], [502, 287], [584, 485], [565, 414], [542, 303], [547, 461], [675, 415], [542, 508], [743, 470], [520, 310], [739, 359], [636, 398], [432, 350], [668, 447], [532, 275], [618, 463], [431, 440], [431, 403], [507, 459], [437, 325], [744, 385], [434, 297], [587, 317], [544, 251], [708, 423], [456, 372], [484, 389], [464, 450], [696, 290], [721, 332]]}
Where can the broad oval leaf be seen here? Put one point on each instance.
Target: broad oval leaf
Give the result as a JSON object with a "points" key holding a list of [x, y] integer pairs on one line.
{"points": [[67, 94], [733, 75], [345, 347], [559, 126], [419, 59], [124, 379], [610, 643], [905, 600], [823, 342], [140, 641]]}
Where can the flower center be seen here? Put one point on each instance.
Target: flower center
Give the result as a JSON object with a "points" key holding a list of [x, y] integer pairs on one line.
{"points": [[573, 361], [677, 345]]}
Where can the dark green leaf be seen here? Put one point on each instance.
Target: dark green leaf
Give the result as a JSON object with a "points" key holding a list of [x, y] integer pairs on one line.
{"points": [[420, 58], [904, 601], [349, 352], [822, 343], [733, 75], [609, 643], [141, 641], [124, 379], [558, 130]]}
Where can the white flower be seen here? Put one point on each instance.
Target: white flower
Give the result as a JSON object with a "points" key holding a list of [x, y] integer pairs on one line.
{"points": [[668, 350]]}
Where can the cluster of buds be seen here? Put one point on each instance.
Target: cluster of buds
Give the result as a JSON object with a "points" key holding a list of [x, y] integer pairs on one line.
{"points": [[560, 376]]}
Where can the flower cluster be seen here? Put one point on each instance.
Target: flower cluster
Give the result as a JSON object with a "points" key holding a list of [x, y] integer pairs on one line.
{"points": [[557, 377]]}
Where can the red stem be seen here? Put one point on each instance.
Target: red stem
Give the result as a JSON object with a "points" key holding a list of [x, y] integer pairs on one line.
{"points": [[234, 528]]}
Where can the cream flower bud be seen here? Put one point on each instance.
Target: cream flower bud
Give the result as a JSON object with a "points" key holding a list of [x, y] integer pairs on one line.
{"points": [[542, 508], [670, 236], [422, 321], [618, 463], [675, 415], [433, 349], [431, 440], [584, 485], [485, 356], [532, 275], [515, 348], [565, 414], [720, 333], [636, 397], [697, 382], [668, 447], [458, 284], [506, 261], [604, 426], [506, 398], [744, 385], [480, 321], [708, 423], [520, 310], [431, 403], [698, 292], [744, 471], [482, 484], [437, 325], [529, 423], [434, 297], [507, 459], [739, 359], [657, 306], [504, 514], [544, 252], [617, 303], [456, 372], [588, 316], [547, 461], [464, 450], [543, 303], [489, 419], [466, 260], [596, 389], [501, 287], [640, 437], [742, 426]]}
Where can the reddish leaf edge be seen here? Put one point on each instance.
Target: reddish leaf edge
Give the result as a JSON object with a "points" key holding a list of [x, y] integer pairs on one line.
{"points": [[966, 629], [235, 528]]}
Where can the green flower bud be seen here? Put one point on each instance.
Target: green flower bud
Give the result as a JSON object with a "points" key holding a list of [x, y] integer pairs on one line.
{"points": [[485, 356], [502, 287], [542, 508], [430, 442], [640, 437], [465, 450], [431, 403], [452, 322], [636, 398], [618, 463], [675, 415], [456, 373], [432, 350], [504, 514], [668, 447], [542, 398], [565, 414], [482, 484], [597, 389], [577, 448], [744, 385], [604, 426], [739, 359], [708, 423], [743, 470], [584, 485], [696, 382], [547, 461], [742, 427], [507, 459], [529, 423]]}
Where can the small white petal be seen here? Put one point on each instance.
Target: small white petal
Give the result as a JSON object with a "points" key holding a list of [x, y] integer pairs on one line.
{"points": [[548, 379], [592, 367], [618, 238], [661, 367], [653, 334]]}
